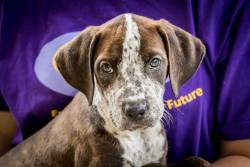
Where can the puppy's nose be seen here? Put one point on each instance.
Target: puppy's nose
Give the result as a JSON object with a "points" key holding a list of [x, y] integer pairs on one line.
{"points": [[134, 110]]}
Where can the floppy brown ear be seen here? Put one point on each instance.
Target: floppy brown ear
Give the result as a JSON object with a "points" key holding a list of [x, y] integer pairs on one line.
{"points": [[74, 61], [185, 53]]}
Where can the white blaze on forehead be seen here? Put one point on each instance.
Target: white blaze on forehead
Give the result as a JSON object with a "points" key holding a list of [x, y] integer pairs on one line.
{"points": [[131, 45], [132, 37]]}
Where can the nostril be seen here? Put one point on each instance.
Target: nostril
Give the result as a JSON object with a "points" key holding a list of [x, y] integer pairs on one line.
{"points": [[140, 115], [130, 115]]}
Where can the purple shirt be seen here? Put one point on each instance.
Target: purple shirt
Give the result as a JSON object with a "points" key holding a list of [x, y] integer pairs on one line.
{"points": [[214, 105]]}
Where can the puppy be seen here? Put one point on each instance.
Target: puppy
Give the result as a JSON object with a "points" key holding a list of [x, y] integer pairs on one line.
{"points": [[120, 70]]}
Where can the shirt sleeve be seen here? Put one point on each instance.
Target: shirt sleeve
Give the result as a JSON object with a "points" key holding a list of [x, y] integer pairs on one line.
{"points": [[3, 105], [233, 79]]}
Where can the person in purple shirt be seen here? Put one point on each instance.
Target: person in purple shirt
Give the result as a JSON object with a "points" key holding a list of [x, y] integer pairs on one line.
{"points": [[211, 116]]}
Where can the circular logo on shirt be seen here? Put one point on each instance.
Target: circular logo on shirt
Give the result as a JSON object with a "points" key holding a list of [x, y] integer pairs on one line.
{"points": [[44, 70]]}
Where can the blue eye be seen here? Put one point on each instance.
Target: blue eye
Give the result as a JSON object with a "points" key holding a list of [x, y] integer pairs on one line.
{"points": [[155, 62], [106, 67]]}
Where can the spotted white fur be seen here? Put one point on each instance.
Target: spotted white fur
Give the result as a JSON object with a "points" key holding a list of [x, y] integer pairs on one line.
{"points": [[140, 146]]}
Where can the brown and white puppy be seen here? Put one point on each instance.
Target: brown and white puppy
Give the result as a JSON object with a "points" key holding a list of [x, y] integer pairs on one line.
{"points": [[121, 68]]}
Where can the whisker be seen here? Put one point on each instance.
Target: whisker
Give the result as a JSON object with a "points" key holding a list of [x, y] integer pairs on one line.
{"points": [[167, 118]]}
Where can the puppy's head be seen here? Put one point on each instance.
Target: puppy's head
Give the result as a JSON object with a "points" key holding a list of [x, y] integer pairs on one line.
{"points": [[121, 67]]}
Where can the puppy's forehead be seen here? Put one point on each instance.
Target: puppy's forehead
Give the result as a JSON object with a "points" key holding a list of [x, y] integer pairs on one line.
{"points": [[129, 33], [110, 39]]}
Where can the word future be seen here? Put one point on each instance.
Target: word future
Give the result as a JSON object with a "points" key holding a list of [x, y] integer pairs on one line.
{"points": [[182, 100]]}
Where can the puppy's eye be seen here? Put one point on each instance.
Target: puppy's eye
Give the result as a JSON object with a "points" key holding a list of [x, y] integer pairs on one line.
{"points": [[155, 62], [106, 67]]}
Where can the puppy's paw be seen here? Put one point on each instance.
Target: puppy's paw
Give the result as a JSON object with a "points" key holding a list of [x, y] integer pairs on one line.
{"points": [[192, 162]]}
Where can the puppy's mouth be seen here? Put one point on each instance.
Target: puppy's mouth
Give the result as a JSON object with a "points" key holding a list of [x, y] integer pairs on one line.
{"points": [[146, 122]]}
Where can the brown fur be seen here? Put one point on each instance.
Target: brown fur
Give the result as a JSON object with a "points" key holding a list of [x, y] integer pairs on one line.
{"points": [[75, 138]]}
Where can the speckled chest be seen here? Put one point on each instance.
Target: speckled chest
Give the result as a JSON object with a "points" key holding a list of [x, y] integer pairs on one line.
{"points": [[142, 146]]}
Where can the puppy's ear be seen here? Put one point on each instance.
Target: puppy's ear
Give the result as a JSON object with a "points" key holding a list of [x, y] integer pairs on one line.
{"points": [[74, 61], [185, 53]]}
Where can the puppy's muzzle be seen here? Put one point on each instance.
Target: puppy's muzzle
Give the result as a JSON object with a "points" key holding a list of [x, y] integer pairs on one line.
{"points": [[134, 110]]}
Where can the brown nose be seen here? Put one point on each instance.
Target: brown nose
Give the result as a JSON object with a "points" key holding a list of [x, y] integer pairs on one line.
{"points": [[134, 110]]}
